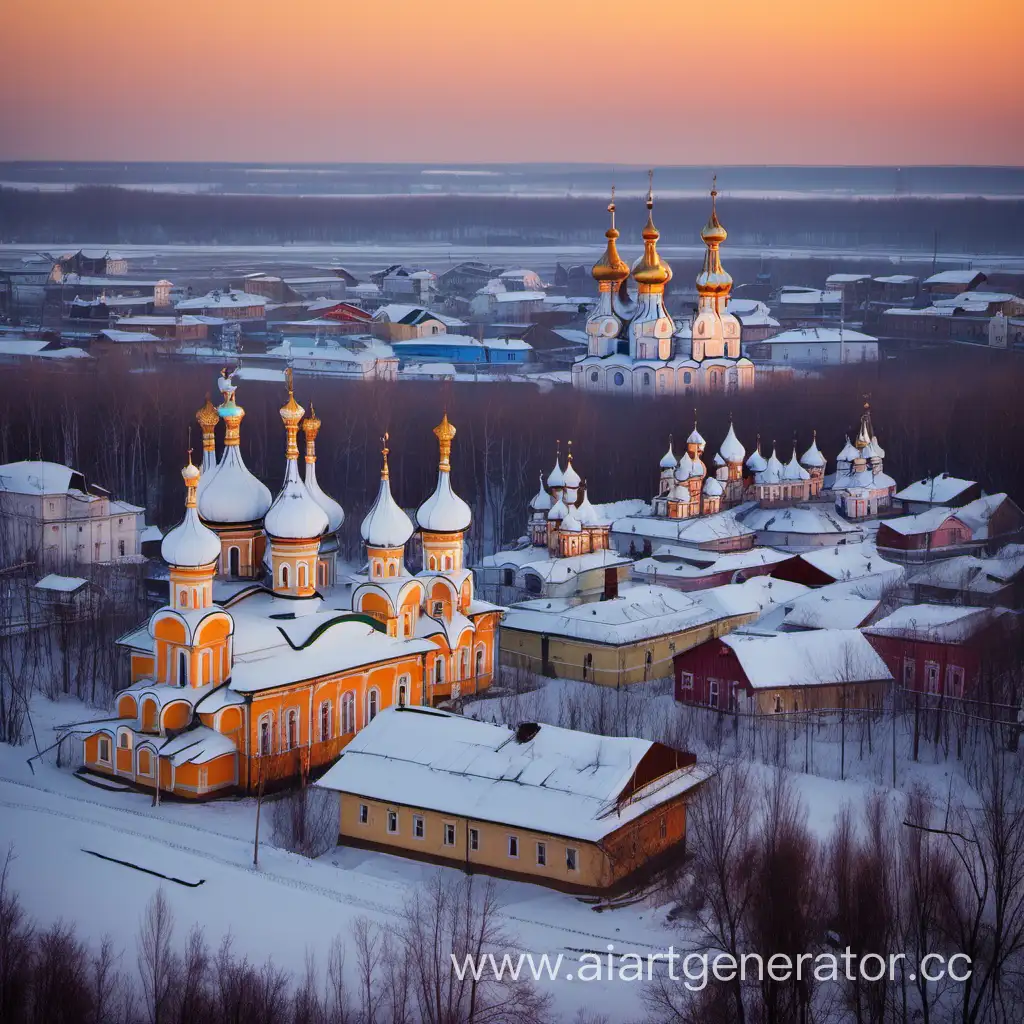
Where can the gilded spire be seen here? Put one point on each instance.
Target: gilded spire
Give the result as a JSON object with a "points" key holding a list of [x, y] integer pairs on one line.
{"points": [[611, 267], [713, 279], [650, 272], [207, 419], [866, 431], [445, 432], [291, 415], [310, 428], [229, 410], [385, 473]]}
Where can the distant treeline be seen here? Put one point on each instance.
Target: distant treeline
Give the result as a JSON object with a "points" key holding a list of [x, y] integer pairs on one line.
{"points": [[952, 409], [120, 216]]}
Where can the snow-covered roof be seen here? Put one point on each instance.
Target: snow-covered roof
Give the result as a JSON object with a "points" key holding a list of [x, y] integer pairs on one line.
{"points": [[61, 584], [828, 335], [197, 745], [694, 531], [846, 278], [953, 277], [793, 470], [127, 337], [939, 622], [819, 657], [228, 299], [813, 457], [820, 610], [923, 522], [638, 613], [39, 477], [731, 450], [937, 490], [335, 513], [810, 296], [551, 780], [732, 561], [896, 279], [559, 570], [232, 494], [851, 561], [977, 514], [444, 511], [190, 544], [799, 519], [506, 297]]}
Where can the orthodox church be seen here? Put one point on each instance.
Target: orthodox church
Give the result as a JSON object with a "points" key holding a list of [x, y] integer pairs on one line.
{"points": [[634, 345], [259, 668]]}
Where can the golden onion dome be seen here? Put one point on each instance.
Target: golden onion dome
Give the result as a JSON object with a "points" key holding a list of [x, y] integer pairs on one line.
{"points": [[207, 417], [713, 232], [713, 278], [650, 269], [611, 266]]}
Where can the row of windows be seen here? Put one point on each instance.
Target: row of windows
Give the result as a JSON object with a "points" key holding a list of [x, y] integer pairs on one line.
{"points": [[419, 827], [291, 732], [954, 677]]}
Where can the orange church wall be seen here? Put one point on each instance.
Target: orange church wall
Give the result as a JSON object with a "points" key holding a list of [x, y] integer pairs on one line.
{"points": [[123, 760], [141, 667], [177, 715], [126, 706], [148, 710], [170, 630]]}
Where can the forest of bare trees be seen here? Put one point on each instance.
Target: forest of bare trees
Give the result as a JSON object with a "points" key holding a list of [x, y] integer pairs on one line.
{"points": [[126, 216]]}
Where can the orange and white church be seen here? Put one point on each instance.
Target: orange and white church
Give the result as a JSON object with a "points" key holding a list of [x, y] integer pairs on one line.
{"points": [[262, 666]]}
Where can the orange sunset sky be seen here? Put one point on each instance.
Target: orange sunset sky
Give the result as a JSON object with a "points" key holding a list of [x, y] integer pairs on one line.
{"points": [[663, 82]]}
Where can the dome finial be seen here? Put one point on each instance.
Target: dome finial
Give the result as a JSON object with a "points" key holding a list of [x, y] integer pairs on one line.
{"points": [[445, 433], [611, 267], [650, 272], [291, 415], [385, 472], [190, 474]]}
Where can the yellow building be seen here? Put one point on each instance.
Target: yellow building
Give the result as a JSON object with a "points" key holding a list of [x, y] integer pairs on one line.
{"points": [[631, 638], [271, 682], [566, 809]]}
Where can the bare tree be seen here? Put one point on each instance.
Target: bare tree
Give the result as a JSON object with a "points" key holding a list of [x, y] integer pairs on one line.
{"points": [[156, 959]]}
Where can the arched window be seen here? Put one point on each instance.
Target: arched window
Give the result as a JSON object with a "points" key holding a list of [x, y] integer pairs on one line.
{"points": [[292, 734], [234, 560], [378, 570], [432, 562], [588, 664], [348, 713], [303, 575], [439, 669], [687, 377], [648, 664], [402, 692], [325, 721], [480, 655], [182, 668], [206, 667], [619, 380], [266, 735], [285, 576], [124, 740], [372, 704], [448, 561], [392, 569], [593, 377], [321, 574], [183, 598], [647, 377]]}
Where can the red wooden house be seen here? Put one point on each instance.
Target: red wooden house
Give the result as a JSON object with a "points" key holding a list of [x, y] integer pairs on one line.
{"points": [[939, 649], [815, 669]]}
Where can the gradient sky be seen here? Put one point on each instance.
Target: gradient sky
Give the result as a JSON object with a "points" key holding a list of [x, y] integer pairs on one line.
{"points": [[662, 82]]}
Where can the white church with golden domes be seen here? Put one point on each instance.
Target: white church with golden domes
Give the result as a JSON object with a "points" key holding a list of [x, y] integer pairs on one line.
{"points": [[635, 347]]}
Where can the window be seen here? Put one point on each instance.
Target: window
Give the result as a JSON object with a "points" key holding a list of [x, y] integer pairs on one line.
{"points": [[124, 741], [571, 858], [713, 693], [439, 670], [377, 569], [182, 668], [120, 547], [436, 608], [104, 750], [542, 854], [619, 380], [364, 814], [233, 561], [284, 577], [593, 380], [513, 846], [448, 561], [204, 778], [663, 828], [348, 713], [449, 834], [588, 665], [647, 377], [418, 828], [393, 822], [325, 721], [392, 569], [265, 735], [432, 563], [686, 682], [931, 677], [474, 839], [954, 680], [687, 377], [303, 575], [403, 691], [292, 730], [648, 664], [372, 704]]}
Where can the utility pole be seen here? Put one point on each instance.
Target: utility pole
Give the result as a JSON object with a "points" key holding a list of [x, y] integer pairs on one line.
{"points": [[259, 803]]}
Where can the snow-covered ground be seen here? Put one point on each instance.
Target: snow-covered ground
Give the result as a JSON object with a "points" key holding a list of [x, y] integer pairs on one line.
{"points": [[291, 904]]}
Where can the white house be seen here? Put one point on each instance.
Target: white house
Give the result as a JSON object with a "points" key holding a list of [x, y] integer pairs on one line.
{"points": [[817, 346], [49, 514]]}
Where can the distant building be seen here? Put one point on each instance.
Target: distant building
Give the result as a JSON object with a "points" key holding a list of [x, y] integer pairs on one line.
{"points": [[795, 304], [406, 283], [397, 322], [952, 282], [465, 278], [817, 346], [228, 304], [894, 288], [556, 807], [457, 348], [180, 329], [50, 515], [94, 262], [943, 489], [854, 288]]}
